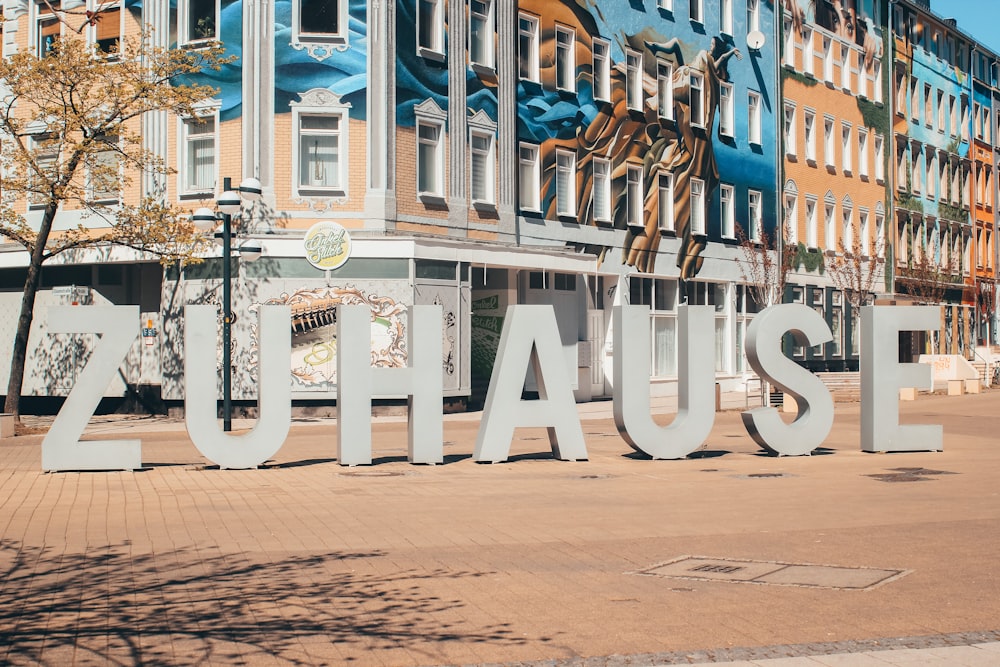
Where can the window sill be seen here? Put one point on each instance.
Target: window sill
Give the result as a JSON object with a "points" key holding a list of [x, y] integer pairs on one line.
{"points": [[431, 198], [668, 231], [197, 44], [430, 54], [568, 217], [483, 69], [811, 161], [197, 194], [487, 206], [321, 192]]}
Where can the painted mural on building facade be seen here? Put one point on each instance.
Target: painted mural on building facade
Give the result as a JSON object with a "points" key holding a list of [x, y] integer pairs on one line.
{"points": [[662, 107]]}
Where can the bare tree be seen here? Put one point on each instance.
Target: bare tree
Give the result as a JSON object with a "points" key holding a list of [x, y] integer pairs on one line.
{"points": [[764, 266], [926, 279], [855, 272], [69, 123]]}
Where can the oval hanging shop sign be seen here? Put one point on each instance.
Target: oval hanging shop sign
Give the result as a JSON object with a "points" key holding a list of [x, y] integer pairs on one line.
{"points": [[328, 245]]}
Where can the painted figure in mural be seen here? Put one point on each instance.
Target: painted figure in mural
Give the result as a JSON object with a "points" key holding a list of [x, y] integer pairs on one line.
{"points": [[691, 157], [848, 19]]}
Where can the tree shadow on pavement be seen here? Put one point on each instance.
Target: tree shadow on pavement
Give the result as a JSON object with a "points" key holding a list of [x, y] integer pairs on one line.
{"points": [[109, 606]]}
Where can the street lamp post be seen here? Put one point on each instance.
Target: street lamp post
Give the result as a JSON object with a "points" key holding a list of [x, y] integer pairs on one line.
{"points": [[229, 204]]}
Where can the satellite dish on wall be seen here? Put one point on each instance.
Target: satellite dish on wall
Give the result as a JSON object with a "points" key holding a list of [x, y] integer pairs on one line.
{"points": [[755, 39]]}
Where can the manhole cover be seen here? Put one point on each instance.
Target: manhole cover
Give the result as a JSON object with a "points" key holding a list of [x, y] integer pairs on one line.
{"points": [[908, 475], [777, 573]]}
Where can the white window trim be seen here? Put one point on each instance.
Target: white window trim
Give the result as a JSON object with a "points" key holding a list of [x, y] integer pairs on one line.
{"points": [[534, 186], [700, 78], [665, 210], [809, 123], [846, 147], [789, 129], [435, 49], [829, 142], [755, 214], [698, 11], [570, 58], [490, 162], [114, 197], [727, 109], [207, 110], [754, 124], [863, 152], [533, 73], [602, 189], [698, 211], [320, 102], [96, 7], [879, 159], [489, 51], [602, 71], [320, 46], [812, 229], [665, 89], [566, 209], [726, 17], [184, 39], [429, 113], [634, 195], [633, 80], [727, 211]]}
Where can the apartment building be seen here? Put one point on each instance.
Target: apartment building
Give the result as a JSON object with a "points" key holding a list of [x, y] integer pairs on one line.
{"points": [[835, 138], [479, 154]]}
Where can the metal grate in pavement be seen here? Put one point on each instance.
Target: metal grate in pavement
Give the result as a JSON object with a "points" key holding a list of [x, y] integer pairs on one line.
{"points": [[735, 570]]}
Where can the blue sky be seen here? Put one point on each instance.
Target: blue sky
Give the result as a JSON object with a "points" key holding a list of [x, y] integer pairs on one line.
{"points": [[977, 18]]}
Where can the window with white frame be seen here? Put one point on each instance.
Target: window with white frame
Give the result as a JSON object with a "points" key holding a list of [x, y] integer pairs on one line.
{"points": [[602, 189], [665, 5], [104, 171], [726, 16], [901, 95], [602, 70], [565, 183], [46, 154], [529, 177], [565, 58], [809, 122], [430, 27], [791, 220], [107, 32], [481, 45], [917, 171], [788, 57], [864, 231], [482, 146], [914, 101], [321, 163], [754, 117], [47, 26], [940, 112], [829, 142], [902, 167], [812, 232], [808, 53], [845, 135], [727, 211], [430, 158], [789, 122], [665, 89], [697, 101], [863, 152], [633, 79], [828, 58], [727, 109], [527, 46], [847, 225], [665, 202], [830, 226], [634, 195], [928, 106], [319, 21], [697, 206], [964, 118], [952, 116], [877, 81], [661, 296], [753, 15], [199, 20], [845, 69], [880, 234], [930, 160], [698, 11], [755, 215], [198, 155], [879, 158]]}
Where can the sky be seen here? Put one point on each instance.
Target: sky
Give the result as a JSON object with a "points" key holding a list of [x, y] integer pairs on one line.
{"points": [[977, 18]]}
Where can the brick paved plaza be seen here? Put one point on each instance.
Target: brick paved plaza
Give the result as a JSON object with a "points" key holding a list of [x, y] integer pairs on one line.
{"points": [[532, 560]]}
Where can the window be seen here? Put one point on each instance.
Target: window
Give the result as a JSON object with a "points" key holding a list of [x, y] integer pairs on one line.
{"points": [[845, 69], [829, 230], [864, 232], [319, 20], [430, 27], [845, 135], [602, 189], [633, 79], [829, 143], [928, 106], [47, 27], [483, 167], [755, 215], [198, 155], [808, 55], [320, 165], [753, 15], [828, 48], [753, 117], [953, 115], [199, 20], [697, 11], [726, 16], [863, 152], [964, 118], [877, 81], [880, 234], [108, 31], [916, 171], [634, 195], [788, 57], [529, 177], [727, 213], [902, 163], [665, 89], [430, 158], [930, 160], [792, 216], [527, 47], [879, 158], [565, 59], [481, 50], [809, 121], [847, 227], [727, 111], [665, 204], [790, 129], [46, 152], [565, 183], [812, 231], [697, 206], [940, 112], [602, 70], [665, 5], [103, 177], [914, 101]]}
